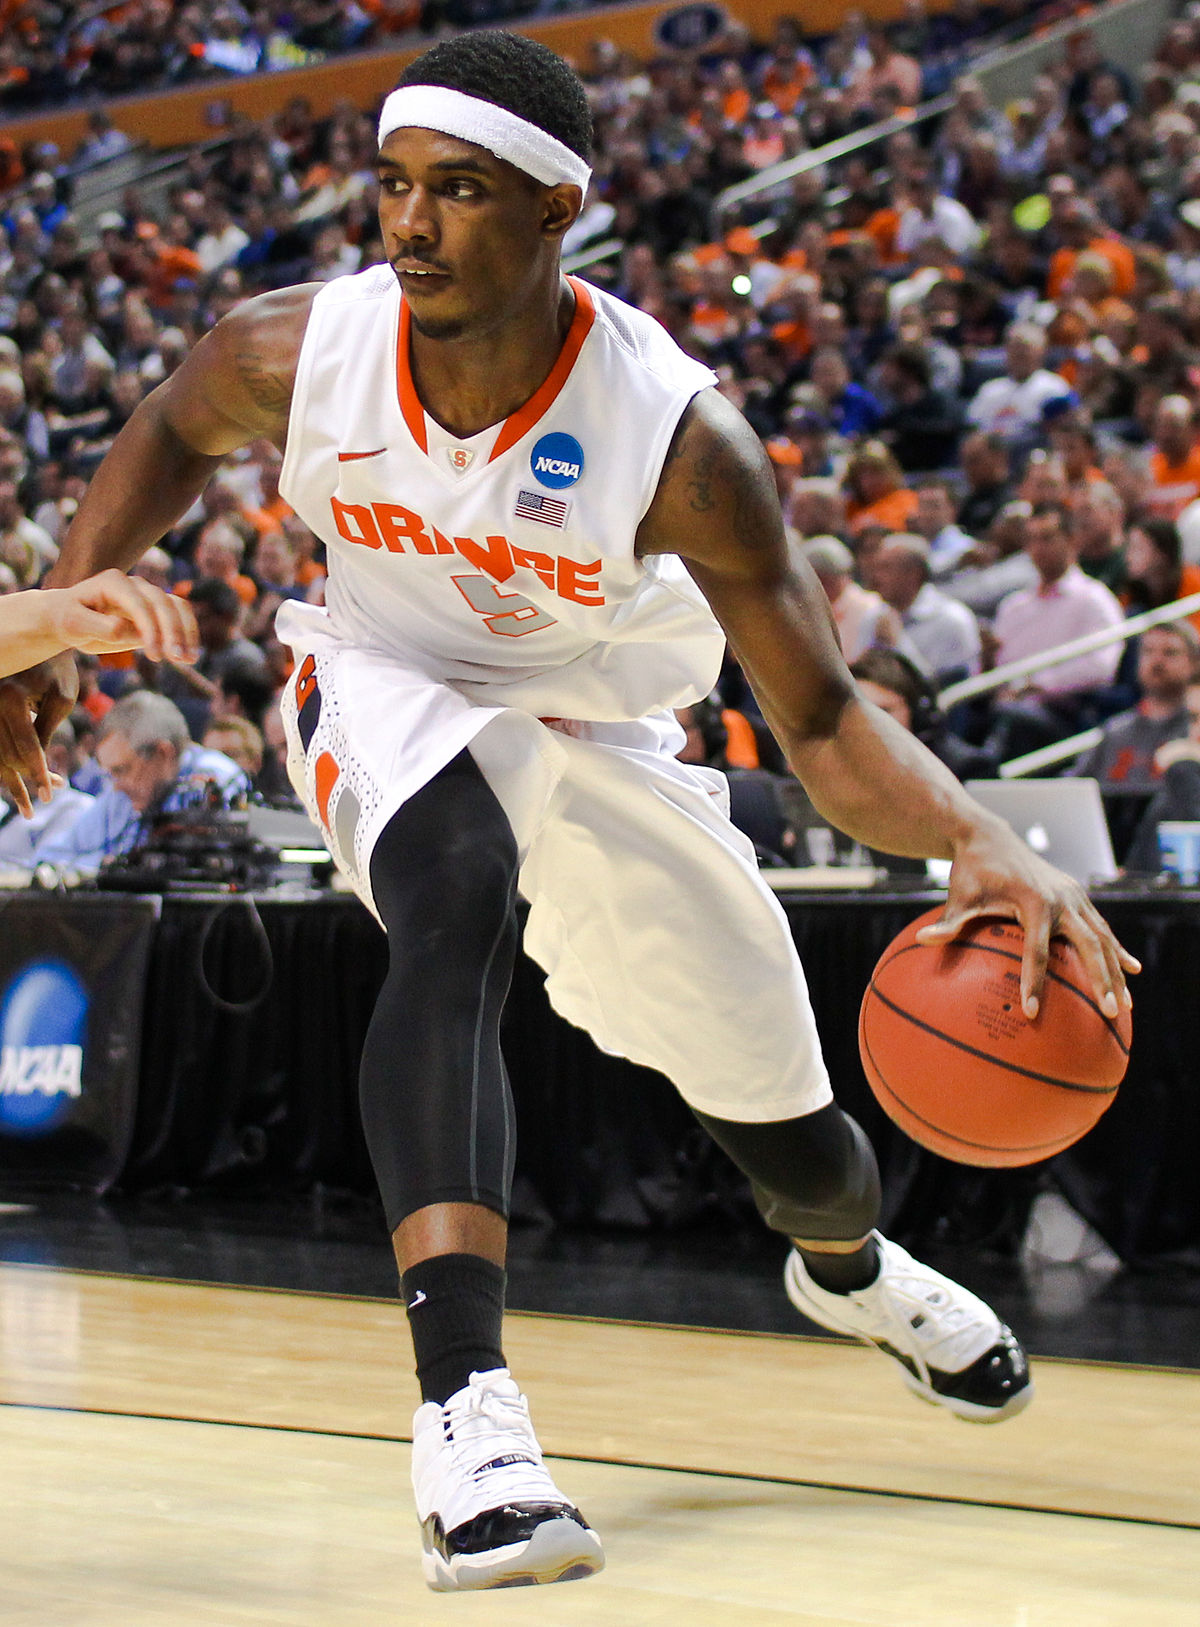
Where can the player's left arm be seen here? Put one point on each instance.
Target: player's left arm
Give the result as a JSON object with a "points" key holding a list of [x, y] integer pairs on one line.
{"points": [[716, 507]]}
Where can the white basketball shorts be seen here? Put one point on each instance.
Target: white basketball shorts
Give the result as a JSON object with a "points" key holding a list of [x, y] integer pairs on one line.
{"points": [[646, 908]]}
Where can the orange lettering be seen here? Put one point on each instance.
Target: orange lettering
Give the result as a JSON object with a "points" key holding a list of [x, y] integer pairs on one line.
{"points": [[443, 545], [398, 525], [570, 584], [306, 681], [495, 560], [542, 564], [345, 513]]}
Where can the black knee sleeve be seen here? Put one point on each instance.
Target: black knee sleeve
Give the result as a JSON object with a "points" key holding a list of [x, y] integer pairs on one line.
{"points": [[813, 1177], [436, 1106]]}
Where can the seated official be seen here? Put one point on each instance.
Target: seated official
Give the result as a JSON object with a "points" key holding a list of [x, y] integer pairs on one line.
{"points": [[20, 837], [942, 633], [152, 766]]}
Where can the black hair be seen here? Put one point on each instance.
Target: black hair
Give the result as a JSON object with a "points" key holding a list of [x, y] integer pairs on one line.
{"points": [[217, 595], [515, 73], [249, 683], [1061, 511], [912, 361], [892, 670], [1163, 535]]}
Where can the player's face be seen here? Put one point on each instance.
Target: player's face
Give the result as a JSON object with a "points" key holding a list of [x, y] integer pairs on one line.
{"points": [[470, 237]]}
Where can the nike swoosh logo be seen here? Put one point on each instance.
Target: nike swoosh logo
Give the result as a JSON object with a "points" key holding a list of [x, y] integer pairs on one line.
{"points": [[421, 1297], [353, 457]]}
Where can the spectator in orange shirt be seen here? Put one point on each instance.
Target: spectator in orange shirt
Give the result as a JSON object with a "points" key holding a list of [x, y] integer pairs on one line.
{"points": [[271, 511], [736, 100], [1175, 459], [304, 543], [219, 554], [788, 77], [875, 489], [1082, 230]]}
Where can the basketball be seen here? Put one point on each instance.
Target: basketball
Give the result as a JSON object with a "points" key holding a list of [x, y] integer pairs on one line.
{"points": [[954, 1061]]}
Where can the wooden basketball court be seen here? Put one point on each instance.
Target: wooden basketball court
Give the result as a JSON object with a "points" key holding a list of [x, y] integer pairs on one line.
{"points": [[184, 1454]]}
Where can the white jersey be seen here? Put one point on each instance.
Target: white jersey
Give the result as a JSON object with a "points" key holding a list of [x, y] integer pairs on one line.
{"points": [[502, 564]]}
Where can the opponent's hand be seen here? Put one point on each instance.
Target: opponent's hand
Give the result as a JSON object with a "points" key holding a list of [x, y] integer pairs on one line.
{"points": [[996, 873], [110, 612], [32, 705]]}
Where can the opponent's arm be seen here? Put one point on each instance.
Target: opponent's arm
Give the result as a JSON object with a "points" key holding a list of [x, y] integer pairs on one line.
{"points": [[716, 507]]}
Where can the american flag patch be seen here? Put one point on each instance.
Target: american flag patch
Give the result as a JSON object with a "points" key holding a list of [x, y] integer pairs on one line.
{"points": [[535, 505]]}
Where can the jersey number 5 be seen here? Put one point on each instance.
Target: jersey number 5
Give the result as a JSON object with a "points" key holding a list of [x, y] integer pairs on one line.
{"points": [[507, 614]]}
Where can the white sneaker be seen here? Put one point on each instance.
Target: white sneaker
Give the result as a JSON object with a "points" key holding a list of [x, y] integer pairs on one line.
{"points": [[490, 1514], [952, 1348]]}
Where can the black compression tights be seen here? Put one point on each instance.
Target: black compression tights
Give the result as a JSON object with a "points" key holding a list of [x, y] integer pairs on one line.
{"points": [[813, 1177], [436, 1106]]}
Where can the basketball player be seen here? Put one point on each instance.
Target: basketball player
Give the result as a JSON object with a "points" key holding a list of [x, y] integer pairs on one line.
{"points": [[540, 516], [100, 615]]}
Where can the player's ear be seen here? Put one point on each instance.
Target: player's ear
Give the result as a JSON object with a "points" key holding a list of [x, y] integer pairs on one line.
{"points": [[561, 208]]}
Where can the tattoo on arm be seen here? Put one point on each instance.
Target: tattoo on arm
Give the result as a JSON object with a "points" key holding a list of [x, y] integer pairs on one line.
{"points": [[700, 483], [265, 388], [696, 469]]}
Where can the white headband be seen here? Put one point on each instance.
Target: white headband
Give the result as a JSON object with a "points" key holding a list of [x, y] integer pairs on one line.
{"points": [[433, 107]]}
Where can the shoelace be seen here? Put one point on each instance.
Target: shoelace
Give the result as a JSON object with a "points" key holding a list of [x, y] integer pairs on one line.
{"points": [[493, 1425], [951, 1321]]}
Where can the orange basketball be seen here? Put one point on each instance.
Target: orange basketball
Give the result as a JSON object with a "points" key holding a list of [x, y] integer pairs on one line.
{"points": [[958, 1066]]}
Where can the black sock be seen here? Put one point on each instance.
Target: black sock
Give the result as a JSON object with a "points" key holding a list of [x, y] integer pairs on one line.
{"points": [[455, 1311], [842, 1273]]}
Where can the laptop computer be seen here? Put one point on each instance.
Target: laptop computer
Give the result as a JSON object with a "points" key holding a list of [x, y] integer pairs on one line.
{"points": [[285, 829], [1062, 820]]}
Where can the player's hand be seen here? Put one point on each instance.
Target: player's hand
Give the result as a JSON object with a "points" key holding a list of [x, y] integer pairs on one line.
{"points": [[996, 873], [32, 705], [110, 612]]}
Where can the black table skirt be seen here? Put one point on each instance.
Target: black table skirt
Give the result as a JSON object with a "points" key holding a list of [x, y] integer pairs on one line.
{"points": [[256, 1013]]}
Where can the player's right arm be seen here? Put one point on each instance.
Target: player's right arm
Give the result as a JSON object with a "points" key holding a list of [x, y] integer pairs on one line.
{"points": [[234, 387]]}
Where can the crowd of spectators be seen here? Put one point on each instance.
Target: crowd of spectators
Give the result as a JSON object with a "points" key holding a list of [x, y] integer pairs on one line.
{"points": [[55, 51], [972, 349]]}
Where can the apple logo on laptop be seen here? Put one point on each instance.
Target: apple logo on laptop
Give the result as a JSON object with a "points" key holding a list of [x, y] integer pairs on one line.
{"points": [[1038, 838]]}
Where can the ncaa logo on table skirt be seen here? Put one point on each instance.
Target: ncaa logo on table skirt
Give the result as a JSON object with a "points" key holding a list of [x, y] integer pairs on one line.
{"points": [[557, 461], [43, 1020]]}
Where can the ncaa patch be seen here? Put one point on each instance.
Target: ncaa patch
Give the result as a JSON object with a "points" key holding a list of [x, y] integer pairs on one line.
{"points": [[43, 1026], [557, 461]]}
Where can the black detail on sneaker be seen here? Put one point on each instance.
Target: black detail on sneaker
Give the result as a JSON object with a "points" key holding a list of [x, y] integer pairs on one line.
{"points": [[992, 1380], [502, 1463], [496, 1528]]}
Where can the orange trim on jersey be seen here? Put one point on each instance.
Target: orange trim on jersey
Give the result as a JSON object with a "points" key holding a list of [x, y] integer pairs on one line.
{"points": [[406, 390], [522, 421], [326, 774]]}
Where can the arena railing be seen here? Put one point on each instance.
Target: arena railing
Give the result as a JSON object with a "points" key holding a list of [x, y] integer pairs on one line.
{"points": [[1126, 31], [984, 682]]}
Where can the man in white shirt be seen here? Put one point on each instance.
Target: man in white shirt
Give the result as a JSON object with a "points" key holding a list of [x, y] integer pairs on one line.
{"points": [[930, 213], [943, 632], [1011, 406]]}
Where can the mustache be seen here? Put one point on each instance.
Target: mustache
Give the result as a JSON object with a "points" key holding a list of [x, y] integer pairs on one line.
{"points": [[411, 262]]}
